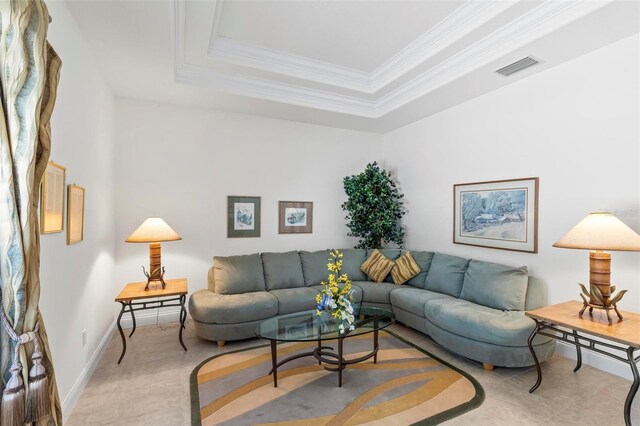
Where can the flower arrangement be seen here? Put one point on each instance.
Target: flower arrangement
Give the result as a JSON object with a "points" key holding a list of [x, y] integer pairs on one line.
{"points": [[336, 296]]}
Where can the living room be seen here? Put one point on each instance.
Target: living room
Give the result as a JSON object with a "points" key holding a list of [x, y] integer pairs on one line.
{"points": [[169, 108]]}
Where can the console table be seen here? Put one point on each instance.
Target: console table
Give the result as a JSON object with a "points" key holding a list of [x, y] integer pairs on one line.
{"points": [[136, 292], [563, 323]]}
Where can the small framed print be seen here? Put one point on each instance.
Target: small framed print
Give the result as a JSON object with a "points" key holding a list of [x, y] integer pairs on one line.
{"points": [[295, 217], [75, 214], [243, 217], [500, 214], [52, 199]]}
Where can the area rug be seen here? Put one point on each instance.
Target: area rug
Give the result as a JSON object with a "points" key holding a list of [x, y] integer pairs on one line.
{"points": [[406, 386]]}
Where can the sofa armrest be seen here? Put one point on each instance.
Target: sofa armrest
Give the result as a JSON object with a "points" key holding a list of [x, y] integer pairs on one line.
{"points": [[211, 280], [536, 296]]}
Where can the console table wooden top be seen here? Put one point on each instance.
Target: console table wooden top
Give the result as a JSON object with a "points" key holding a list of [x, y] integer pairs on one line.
{"points": [[626, 331]]}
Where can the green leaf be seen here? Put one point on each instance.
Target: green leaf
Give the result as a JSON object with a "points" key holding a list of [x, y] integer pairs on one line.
{"points": [[613, 289]]}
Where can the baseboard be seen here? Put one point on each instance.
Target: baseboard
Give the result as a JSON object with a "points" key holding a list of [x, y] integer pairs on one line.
{"points": [[72, 398], [596, 360], [151, 317]]}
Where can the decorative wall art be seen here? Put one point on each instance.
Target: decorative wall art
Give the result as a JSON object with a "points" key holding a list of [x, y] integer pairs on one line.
{"points": [[243, 219], [52, 199], [295, 217], [500, 214], [75, 214]]}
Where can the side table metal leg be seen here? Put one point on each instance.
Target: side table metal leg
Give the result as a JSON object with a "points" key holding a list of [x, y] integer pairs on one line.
{"points": [[634, 387], [183, 317], [124, 341], [274, 362], [578, 352], [340, 360], [133, 319], [535, 357]]}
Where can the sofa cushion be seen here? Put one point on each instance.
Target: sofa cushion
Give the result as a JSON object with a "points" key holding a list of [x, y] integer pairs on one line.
{"points": [[314, 266], [377, 266], [295, 299], [351, 261], [213, 308], [404, 268], [446, 274], [494, 285], [356, 292], [413, 299], [282, 270], [238, 274], [375, 292], [481, 323], [423, 259]]}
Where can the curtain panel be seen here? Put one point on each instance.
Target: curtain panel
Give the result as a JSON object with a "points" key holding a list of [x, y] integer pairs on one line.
{"points": [[29, 74]]}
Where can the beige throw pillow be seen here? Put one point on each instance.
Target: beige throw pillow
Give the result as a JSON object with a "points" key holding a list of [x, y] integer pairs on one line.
{"points": [[404, 268], [377, 266]]}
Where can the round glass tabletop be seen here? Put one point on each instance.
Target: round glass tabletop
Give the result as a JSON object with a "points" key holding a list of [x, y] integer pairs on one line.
{"points": [[309, 326]]}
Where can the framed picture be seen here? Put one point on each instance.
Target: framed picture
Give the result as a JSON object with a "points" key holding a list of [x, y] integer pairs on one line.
{"points": [[75, 214], [52, 199], [500, 214], [295, 217], [243, 219]]}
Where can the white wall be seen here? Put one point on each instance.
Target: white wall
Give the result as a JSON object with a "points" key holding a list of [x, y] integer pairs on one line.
{"points": [[575, 126], [181, 164], [78, 284]]}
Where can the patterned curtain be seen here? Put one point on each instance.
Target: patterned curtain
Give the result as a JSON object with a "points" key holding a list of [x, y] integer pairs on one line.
{"points": [[29, 74]]}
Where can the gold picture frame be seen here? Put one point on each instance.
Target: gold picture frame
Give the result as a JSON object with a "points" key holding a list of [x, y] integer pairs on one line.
{"points": [[52, 199], [75, 214]]}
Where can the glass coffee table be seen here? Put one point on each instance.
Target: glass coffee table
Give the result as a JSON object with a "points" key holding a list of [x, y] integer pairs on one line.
{"points": [[310, 327]]}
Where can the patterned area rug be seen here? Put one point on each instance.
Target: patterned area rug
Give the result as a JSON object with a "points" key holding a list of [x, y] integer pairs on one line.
{"points": [[406, 386]]}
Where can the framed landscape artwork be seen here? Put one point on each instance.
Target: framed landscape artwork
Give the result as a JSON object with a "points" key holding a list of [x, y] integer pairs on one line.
{"points": [[295, 217], [243, 217], [52, 199], [499, 214], [75, 214]]}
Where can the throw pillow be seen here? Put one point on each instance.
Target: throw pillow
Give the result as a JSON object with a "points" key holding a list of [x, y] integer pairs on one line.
{"points": [[377, 266], [404, 269]]}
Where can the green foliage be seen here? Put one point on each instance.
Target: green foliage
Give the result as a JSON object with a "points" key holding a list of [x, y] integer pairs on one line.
{"points": [[374, 208]]}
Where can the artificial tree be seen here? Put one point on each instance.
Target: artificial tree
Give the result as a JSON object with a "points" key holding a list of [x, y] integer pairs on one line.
{"points": [[374, 208]]}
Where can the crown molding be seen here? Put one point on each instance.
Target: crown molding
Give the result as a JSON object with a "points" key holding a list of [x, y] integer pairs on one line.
{"points": [[253, 56], [547, 17], [462, 21]]}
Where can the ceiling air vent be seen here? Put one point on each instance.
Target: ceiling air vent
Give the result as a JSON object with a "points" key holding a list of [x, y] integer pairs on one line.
{"points": [[518, 66]]}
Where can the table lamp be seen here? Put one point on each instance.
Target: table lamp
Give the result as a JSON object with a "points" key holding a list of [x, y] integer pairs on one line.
{"points": [[153, 231], [598, 232]]}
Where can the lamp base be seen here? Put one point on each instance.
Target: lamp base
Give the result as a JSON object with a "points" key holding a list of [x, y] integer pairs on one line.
{"points": [[595, 299], [593, 306], [155, 276]]}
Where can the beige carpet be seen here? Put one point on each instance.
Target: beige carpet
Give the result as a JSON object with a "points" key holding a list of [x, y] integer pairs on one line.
{"points": [[406, 386]]}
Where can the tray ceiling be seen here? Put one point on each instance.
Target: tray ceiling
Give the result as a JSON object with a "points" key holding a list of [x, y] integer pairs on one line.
{"points": [[364, 65]]}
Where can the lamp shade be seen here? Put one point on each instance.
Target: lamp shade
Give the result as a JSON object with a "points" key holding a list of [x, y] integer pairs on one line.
{"points": [[601, 231], [153, 230]]}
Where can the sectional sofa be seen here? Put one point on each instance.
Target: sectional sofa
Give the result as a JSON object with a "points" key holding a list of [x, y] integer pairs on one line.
{"points": [[473, 308]]}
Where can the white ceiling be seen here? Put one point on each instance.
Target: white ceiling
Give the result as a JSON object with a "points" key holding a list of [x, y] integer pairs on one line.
{"points": [[365, 65]]}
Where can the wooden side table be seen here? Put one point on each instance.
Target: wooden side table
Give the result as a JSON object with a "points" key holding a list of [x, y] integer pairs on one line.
{"points": [[136, 291], [564, 323]]}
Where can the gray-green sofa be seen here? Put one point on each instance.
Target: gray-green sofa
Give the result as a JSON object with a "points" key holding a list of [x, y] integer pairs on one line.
{"points": [[473, 308]]}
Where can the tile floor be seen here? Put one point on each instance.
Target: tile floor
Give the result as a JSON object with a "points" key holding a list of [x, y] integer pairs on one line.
{"points": [[151, 386]]}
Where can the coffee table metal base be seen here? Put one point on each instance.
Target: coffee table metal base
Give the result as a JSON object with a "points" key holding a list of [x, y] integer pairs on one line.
{"points": [[324, 354]]}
